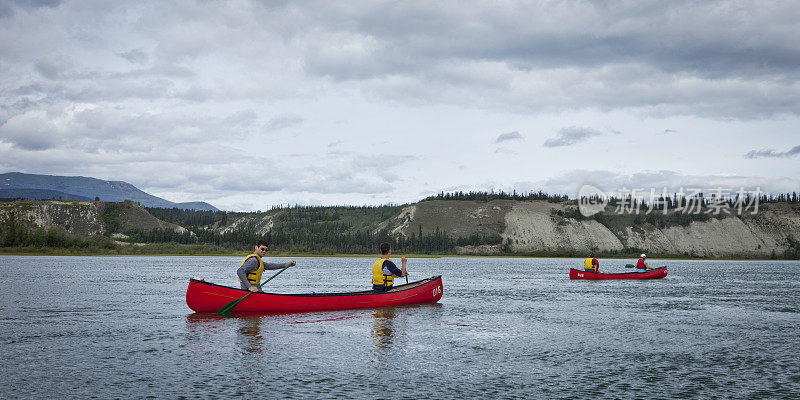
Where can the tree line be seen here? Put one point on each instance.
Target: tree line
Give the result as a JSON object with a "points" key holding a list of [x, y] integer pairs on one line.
{"points": [[500, 195]]}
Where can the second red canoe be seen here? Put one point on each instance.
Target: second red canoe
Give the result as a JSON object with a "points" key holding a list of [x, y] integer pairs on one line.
{"points": [[653, 274]]}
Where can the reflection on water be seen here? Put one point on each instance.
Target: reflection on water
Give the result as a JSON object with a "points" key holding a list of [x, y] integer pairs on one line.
{"points": [[199, 324], [382, 328], [248, 329], [200, 320], [383, 334], [250, 335]]}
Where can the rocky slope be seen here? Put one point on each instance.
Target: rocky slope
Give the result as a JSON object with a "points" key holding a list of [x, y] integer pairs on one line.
{"points": [[76, 217], [760, 235], [84, 218], [535, 227]]}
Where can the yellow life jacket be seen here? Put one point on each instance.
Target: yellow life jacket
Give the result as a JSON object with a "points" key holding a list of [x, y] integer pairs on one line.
{"points": [[587, 263], [254, 277], [378, 278]]}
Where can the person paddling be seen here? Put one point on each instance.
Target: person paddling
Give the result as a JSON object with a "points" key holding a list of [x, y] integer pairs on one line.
{"points": [[591, 264], [384, 270], [253, 266], [641, 265]]}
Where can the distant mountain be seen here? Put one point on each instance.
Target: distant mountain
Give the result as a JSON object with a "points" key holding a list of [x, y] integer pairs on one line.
{"points": [[196, 205], [39, 194], [31, 186]]}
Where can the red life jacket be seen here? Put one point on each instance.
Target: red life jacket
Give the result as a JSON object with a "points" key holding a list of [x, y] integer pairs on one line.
{"points": [[641, 264]]}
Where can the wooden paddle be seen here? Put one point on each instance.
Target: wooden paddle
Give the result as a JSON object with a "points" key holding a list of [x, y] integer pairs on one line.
{"points": [[228, 307]]}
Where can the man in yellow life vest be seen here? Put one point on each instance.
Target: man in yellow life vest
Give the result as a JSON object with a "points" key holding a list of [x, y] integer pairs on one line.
{"points": [[384, 270], [591, 264], [253, 266]]}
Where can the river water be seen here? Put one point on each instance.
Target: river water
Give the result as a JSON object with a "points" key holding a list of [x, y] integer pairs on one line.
{"points": [[119, 327]]}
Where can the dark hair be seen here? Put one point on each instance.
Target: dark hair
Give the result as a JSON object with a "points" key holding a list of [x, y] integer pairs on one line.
{"points": [[262, 242], [591, 254], [384, 248]]}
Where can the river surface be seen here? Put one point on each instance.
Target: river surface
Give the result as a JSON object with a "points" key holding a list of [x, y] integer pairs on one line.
{"points": [[119, 327]]}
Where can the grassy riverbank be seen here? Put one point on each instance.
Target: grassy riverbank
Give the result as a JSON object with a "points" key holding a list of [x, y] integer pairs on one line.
{"points": [[174, 249]]}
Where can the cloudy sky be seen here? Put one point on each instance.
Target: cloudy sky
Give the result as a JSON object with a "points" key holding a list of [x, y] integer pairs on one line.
{"points": [[250, 104]]}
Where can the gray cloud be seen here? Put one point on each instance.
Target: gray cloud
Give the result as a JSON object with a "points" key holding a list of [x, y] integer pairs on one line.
{"points": [[283, 121], [30, 132], [243, 118], [676, 58], [508, 136], [347, 174], [770, 153], [663, 59], [135, 56], [49, 69], [571, 135], [119, 130], [6, 11], [8, 7]]}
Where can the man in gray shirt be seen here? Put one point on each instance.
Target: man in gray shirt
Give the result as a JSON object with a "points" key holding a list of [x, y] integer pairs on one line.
{"points": [[252, 267]]}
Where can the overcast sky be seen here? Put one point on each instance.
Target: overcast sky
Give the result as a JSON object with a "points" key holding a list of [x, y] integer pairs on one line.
{"points": [[251, 104]]}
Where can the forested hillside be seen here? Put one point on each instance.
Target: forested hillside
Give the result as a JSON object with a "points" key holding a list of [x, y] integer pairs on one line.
{"points": [[308, 229]]}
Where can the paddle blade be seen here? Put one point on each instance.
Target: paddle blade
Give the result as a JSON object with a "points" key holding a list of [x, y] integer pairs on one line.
{"points": [[629, 265], [228, 307]]}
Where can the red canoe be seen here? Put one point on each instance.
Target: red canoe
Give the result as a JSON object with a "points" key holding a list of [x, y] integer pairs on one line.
{"points": [[654, 274], [202, 296]]}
